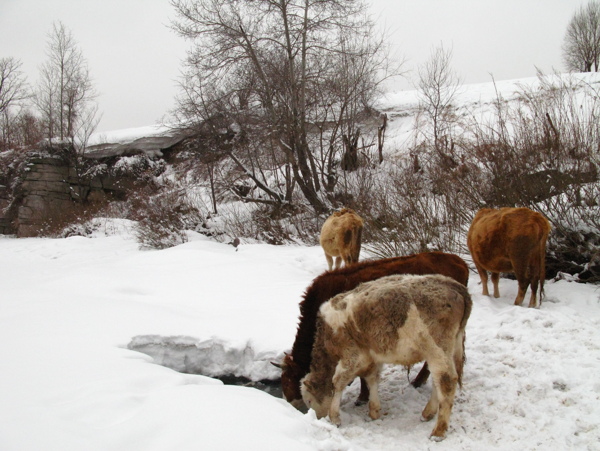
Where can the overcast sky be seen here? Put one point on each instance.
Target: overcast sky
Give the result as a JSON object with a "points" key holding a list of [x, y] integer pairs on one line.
{"points": [[135, 59]]}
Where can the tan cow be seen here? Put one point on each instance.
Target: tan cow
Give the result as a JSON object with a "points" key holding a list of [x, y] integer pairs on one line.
{"points": [[341, 236], [399, 319], [510, 240]]}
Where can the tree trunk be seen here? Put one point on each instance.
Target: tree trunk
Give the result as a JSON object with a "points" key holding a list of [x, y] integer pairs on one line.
{"points": [[381, 137], [350, 158]]}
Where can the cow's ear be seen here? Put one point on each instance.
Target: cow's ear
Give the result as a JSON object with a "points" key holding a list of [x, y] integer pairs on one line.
{"points": [[288, 362], [308, 384]]}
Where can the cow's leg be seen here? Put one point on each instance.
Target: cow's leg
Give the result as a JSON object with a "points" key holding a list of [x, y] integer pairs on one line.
{"points": [[329, 261], [437, 365], [484, 279], [535, 281], [444, 386], [446, 389], [352, 256], [459, 354], [495, 281], [338, 262], [334, 409], [363, 397], [523, 284], [342, 377], [421, 377], [519, 264], [532, 300], [432, 406], [522, 279], [372, 380], [347, 261]]}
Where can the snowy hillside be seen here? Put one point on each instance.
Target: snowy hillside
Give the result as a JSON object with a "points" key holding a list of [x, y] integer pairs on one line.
{"points": [[401, 107], [474, 99], [70, 308]]}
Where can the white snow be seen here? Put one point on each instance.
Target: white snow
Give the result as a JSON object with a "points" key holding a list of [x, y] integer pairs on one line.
{"points": [[70, 307], [130, 134]]}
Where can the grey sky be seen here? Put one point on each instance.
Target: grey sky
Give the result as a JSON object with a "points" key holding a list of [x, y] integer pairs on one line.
{"points": [[134, 57]]}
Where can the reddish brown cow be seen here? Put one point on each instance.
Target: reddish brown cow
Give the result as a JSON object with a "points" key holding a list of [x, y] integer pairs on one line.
{"points": [[297, 364], [341, 236], [510, 240]]}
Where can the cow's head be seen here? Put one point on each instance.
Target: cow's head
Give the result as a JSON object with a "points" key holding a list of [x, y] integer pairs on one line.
{"points": [[290, 380], [316, 396]]}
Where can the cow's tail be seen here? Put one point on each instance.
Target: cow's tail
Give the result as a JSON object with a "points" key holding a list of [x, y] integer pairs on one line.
{"points": [[542, 271], [543, 243], [468, 306], [352, 241], [357, 242]]}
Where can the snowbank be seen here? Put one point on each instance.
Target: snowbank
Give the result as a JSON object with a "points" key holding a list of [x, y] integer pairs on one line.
{"points": [[70, 308]]}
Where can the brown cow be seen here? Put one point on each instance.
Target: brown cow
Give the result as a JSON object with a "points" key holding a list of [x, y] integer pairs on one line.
{"points": [[297, 364], [510, 240], [341, 237], [400, 319]]}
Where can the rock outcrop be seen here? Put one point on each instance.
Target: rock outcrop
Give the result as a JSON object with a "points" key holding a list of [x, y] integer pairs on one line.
{"points": [[51, 182]]}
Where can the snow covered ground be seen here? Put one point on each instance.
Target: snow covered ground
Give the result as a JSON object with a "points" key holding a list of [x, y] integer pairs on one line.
{"points": [[70, 308]]}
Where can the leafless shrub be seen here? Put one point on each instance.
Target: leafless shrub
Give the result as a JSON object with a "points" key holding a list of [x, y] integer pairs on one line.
{"points": [[71, 218], [163, 218], [265, 223], [414, 207], [408, 215]]}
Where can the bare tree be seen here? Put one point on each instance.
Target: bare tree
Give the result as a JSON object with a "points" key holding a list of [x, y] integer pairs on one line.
{"points": [[273, 66], [65, 95], [349, 87], [581, 45], [13, 87], [65, 98], [438, 85], [27, 129], [13, 92]]}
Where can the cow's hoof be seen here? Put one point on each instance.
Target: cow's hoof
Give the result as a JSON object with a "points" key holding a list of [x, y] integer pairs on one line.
{"points": [[375, 414], [436, 438], [336, 421]]}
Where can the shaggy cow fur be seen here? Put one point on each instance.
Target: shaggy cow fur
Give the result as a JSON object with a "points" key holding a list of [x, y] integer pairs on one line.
{"points": [[297, 364], [400, 319], [341, 236], [510, 240]]}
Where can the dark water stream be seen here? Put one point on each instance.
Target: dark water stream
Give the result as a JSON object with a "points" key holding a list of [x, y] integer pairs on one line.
{"points": [[272, 387], [191, 356]]}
